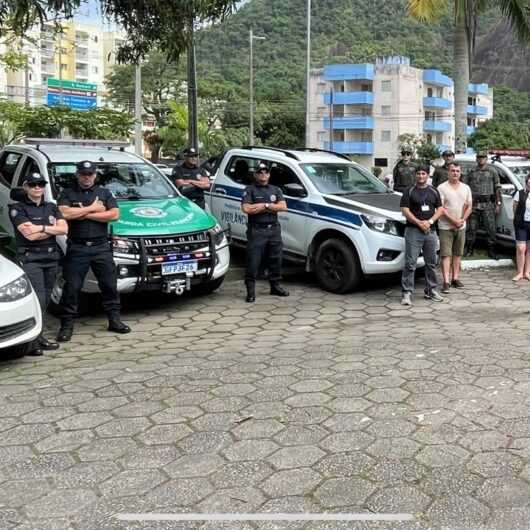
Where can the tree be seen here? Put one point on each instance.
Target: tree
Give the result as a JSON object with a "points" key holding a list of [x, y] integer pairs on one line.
{"points": [[466, 14], [501, 135], [420, 146], [148, 24]]}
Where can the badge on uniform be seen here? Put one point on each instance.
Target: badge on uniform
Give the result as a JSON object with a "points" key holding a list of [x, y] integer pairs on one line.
{"points": [[273, 198], [425, 208], [13, 213], [52, 219]]}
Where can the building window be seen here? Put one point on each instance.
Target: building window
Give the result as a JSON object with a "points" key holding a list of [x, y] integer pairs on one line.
{"points": [[95, 69], [366, 88], [385, 110], [95, 38], [440, 92], [429, 92], [31, 77], [321, 88], [321, 136], [385, 136], [386, 86]]}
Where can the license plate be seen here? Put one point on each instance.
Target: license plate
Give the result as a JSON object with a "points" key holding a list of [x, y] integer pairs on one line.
{"points": [[179, 267]]}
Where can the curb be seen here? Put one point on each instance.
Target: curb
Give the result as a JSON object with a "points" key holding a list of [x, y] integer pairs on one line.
{"points": [[486, 264]]}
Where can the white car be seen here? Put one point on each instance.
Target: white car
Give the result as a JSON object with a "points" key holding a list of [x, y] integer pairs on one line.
{"points": [[20, 314]]}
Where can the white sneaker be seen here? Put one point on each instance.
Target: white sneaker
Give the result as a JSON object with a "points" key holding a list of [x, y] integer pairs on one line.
{"points": [[434, 296], [406, 299]]}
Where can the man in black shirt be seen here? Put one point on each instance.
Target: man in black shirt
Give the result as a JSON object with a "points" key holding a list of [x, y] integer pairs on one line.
{"points": [[422, 207], [36, 223], [190, 179], [89, 208], [262, 202]]}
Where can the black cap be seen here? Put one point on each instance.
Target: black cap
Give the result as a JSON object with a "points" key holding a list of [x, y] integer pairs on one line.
{"points": [[33, 178], [262, 166], [86, 167], [191, 152], [423, 167], [448, 152]]}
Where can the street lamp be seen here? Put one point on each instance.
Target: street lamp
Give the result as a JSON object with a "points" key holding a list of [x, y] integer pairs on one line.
{"points": [[252, 37], [308, 76]]}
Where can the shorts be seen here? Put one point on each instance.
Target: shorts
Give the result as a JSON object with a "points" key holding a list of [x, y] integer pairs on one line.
{"points": [[452, 242], [522, 235]]}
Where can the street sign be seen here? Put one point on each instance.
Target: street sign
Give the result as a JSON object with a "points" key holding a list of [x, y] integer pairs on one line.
{"points": [[76, 95]]}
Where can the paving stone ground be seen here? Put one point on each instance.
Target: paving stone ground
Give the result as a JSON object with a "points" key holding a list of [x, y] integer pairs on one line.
{"points": [[313, 403]]}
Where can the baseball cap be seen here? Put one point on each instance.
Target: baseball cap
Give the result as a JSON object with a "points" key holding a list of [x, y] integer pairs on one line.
{"points": [[448, 152], [191, 152], [33, 178], [262, 166], [482, 154], [86, 167]]}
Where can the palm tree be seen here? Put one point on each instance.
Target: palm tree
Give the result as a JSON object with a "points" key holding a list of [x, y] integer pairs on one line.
{"points": [[517, 12]]}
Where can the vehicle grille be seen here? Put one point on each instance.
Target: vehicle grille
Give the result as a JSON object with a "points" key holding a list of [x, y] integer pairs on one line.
{"points": [[183, 243], [13, 330]]}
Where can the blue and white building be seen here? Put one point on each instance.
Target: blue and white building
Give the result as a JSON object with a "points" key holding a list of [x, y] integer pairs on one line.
{"points": [[373, 104]]}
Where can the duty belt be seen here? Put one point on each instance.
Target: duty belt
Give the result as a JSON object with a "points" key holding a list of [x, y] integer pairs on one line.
{"points": [[40, 250], [484, 198], [89, 242], [264, 225]]}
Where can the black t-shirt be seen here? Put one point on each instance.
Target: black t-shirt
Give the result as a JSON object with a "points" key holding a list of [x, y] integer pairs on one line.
{"points": [[190, 173], [422, 202], [45, 213], [256, 194], [78, 197]]}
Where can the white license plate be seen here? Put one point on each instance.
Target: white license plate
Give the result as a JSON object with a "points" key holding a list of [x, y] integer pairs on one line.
{"points": [[179, 267]]}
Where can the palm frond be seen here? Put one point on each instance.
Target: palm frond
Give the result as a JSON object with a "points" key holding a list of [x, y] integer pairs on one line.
{"points": [[426, 10], [518, 14]]}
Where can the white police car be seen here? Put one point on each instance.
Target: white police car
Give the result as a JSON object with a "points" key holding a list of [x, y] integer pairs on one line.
{"points": [[341, 221]]}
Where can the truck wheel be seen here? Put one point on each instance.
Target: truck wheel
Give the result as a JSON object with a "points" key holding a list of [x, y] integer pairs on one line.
{"points": [[337, 267], [208, 287]]}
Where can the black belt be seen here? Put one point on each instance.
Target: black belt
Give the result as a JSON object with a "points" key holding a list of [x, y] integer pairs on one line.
{"points": [[89, 242], [264, 225], [40, 250], [485, 198]]}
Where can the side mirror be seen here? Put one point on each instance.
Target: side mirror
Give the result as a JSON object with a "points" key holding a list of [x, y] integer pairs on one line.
{"points": [[294, 190], [16, 194], [508, 189], [4, 239]]}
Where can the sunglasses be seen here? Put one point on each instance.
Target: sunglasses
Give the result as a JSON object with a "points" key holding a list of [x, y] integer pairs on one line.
{"points": [[36, 184]]}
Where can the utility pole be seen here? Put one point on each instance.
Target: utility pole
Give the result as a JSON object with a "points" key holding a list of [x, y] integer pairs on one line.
{"points": [[193, 136], [60, 70], [26, 82], [331, 119], [308, 77], [251, 38], [138, 109]]}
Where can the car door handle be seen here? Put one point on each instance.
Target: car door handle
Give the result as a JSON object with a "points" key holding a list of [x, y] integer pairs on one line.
{"points": [[222, 191]]}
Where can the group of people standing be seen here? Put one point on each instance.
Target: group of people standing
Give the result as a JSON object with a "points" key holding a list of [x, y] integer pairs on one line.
{"points": [[456, 207]]}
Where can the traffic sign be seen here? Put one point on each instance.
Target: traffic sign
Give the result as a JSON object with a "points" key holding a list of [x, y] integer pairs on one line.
{"points": [[73, 94], [89, 87], [74, 102]]}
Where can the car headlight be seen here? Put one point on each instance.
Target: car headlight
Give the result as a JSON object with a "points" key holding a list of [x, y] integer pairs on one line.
{"points": [[122, 245], [218, 234], [381, 224], [15, 290]]}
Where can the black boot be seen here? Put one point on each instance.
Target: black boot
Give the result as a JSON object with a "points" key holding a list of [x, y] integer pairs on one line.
{"points": [[278, 290], [34, 349], [492, 253], [116, 325], [251, 292], [66, 331], [45, 344], [468, 250]]}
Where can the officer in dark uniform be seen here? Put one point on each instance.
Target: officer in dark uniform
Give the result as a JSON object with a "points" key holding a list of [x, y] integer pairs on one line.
{"points": [[404, 173], [88, 208], [262, 202], [190, 179], [441, 174], [36, 223]]}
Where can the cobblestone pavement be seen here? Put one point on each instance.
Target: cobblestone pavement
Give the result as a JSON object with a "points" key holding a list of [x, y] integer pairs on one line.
{"points": [[314, 403]]}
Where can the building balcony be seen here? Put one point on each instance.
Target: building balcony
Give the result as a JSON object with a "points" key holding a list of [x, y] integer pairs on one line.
{"points": [[352, 122], [470, 129], [436, 78], [437, 103], [351, 148], [81, 43], [437, 126], [444, 147], [348, 72], [48, 68], [479, 88], [477, 110], [350, 98]]}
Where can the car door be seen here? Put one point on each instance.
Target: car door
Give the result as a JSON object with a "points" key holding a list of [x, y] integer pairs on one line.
{"points": [[10, 162]]}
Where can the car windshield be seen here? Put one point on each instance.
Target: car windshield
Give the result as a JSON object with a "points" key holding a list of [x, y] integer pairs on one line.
{"points": [[125, 181], [343, 179], [521, 172]]}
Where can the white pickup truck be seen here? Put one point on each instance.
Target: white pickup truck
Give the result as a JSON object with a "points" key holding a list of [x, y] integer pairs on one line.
{"points": [[341, 221]]}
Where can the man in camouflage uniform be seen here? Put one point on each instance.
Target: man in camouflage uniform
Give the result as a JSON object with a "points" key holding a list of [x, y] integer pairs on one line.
{"points": [[486, 190], [441, 174], [404, 172]]}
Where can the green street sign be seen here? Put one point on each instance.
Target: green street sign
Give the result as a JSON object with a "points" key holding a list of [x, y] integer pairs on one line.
{"points": [[89, 87]]}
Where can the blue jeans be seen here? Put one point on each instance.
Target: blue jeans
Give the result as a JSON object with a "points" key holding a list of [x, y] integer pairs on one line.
{"points": [[417, 241]]}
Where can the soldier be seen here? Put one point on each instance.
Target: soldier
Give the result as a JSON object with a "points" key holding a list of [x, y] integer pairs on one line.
{"points": [[404, 172], [37, 223], [441, 174], [262, 202], [89, 209], [486, 190], [190, 179]]}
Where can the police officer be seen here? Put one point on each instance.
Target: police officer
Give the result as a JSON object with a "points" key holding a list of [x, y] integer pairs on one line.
{"points": [[404, 172], [36, 223], [190, 179], [88, 208], [441, 174], [486, 191], [262, 202]]}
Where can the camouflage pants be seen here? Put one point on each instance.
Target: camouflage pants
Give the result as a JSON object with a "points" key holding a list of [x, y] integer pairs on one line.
{"points": [[481, 219]]}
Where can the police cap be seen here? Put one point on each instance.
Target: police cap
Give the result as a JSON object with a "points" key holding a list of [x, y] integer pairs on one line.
{"points": [[448, 152], [85, 167], [191, 152], [262, 167], [34, 178], [482, 154]]}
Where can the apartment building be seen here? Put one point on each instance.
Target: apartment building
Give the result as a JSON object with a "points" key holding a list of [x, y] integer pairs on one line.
{"points": [[374, 104]]}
